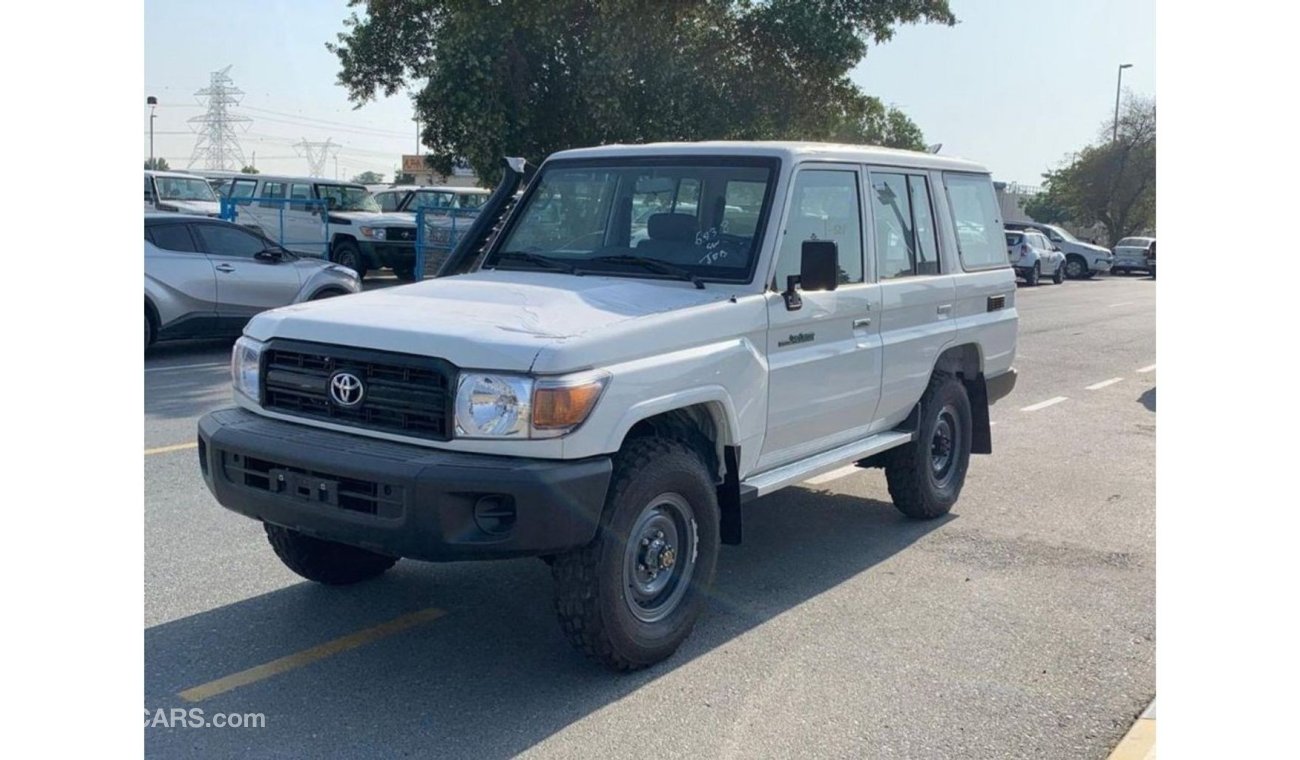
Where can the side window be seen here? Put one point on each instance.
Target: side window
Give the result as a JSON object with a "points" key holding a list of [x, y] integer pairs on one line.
{"points": [[173, 237], [387, 201], [976, 219], [744, 201], [243, 188], [273, 190], [824, 205], [223, 240], [927, 245], [148, 189], [687, 199], [299, 192], [891, 205]]}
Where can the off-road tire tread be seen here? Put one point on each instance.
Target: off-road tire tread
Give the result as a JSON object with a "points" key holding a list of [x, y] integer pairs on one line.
{"points": [[323, 561], [906, 470]]}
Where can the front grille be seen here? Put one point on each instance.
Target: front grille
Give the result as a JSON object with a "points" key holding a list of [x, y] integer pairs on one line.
{"points": [[403, 394], [400, 234]]}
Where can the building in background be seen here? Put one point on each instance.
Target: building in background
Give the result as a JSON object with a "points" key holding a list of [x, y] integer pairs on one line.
{"points": [[418, 172]]}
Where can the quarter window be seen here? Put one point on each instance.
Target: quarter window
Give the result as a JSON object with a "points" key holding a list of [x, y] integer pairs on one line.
{"points": [[273, 190], [824, 205], [976, 219]]}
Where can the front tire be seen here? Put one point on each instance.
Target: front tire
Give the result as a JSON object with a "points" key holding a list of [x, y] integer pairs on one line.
{"points": [[1076, 268], [324, 561], [925, 477], [630, 597], [346, 253]]}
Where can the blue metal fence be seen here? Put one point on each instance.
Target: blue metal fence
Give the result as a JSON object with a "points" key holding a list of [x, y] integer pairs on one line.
{"points": [[437, 230], [304, 232]]}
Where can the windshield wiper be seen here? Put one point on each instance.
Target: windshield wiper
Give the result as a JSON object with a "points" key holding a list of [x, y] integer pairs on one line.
{"points": [[653, 265], [537, 258]]}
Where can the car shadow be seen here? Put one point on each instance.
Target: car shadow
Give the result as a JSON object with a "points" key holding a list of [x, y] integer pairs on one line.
{"points": [[1148, 399], [494, 675]]}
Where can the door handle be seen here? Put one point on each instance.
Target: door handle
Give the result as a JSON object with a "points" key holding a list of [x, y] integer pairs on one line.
{"points": [[224, 268], [861, 322], [945, 309]]}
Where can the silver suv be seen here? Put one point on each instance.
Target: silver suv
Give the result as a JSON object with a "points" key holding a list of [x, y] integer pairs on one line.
{"points": [[206, 277]]}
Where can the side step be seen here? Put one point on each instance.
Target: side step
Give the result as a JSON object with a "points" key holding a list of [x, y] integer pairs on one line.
{"points": [[796, 472]]}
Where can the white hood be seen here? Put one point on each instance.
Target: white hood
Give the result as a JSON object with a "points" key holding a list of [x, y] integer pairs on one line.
{"points": [[484, 320], [201, 208]]}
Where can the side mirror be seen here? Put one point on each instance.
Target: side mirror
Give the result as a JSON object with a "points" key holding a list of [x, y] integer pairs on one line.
{"points": [[269, 255], [1056, 248], [818, 270]]}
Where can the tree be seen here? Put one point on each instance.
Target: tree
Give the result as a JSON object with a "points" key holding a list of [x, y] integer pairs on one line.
{"points": [[368, 178], [156, 164], [250, 169], [1111, 181], [525, 78]]}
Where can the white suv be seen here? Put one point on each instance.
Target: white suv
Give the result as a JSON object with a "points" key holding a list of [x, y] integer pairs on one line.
{"points": [[179, 192], [608, 404], [1082, 260]]}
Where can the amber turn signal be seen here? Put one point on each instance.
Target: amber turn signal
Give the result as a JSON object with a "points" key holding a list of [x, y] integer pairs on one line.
{"points": [[564, 407]]}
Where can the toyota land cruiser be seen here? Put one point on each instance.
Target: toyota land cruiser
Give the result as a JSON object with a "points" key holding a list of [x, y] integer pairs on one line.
{"points": [[605, 389]]}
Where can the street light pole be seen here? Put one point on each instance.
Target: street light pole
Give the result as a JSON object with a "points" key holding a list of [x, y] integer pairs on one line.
{"points": [[153, 104], [1119, 77]]}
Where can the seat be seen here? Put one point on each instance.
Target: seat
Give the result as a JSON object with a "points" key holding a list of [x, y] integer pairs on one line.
{"points": [[670, 236]]}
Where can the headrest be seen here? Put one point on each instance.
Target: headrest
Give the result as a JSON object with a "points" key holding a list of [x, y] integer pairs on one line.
{"points": [[674, 227]]}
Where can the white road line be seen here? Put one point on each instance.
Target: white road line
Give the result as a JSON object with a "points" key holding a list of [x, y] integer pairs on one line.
{"points": [[1104, 383], [186, 366], [834, 475], [1121, 303], [1045, 404], [1146, 369]]}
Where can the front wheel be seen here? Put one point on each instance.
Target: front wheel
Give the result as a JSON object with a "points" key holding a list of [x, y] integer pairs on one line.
{"points": [[324, 561], [925, 476], [346, 253], [630, 597], [1076, 268]]}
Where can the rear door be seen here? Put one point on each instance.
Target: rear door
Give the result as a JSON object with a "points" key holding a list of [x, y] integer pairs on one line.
{"points": [[916, 287], [823, 358], [175, 262], [245, 284]]}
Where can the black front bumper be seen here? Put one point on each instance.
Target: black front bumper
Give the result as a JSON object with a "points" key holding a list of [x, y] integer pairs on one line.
{"points": [[399, 499]]}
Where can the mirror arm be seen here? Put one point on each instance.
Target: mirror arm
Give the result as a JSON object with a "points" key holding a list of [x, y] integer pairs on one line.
{"points": [[793, 302]]}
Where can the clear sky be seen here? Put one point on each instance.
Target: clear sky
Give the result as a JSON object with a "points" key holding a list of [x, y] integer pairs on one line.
{"points": [[1016, 85]]}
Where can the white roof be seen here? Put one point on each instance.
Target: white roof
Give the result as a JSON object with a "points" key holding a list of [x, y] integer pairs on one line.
{"points": [[440, 188], [179, 175], [788, 151]]}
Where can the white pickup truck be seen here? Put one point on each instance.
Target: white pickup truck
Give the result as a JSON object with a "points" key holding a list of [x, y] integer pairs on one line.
{"points": [[605, 389]]}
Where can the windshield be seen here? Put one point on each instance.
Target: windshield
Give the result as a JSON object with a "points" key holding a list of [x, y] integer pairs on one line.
{"points": [[1063, 234], [348, 198], [703, 218], [184, 189]]}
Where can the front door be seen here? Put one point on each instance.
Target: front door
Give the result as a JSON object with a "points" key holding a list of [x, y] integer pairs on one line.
{"points": [[824, 357], [245, 284]]}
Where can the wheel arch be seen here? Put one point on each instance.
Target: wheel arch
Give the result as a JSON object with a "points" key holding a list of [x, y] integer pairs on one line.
{"points": [[966, 363]]}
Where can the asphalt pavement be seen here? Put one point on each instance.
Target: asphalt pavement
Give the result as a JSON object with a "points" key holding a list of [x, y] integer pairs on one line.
{"points": [[1021, 625]]}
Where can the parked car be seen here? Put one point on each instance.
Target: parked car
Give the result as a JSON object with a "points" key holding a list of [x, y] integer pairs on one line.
{"points": [[1032, 256], [1131, 253], [338, 221], [179, 193], [449, 210], [609, 408], [1082, 260], [1151, 259], [206, 277]]}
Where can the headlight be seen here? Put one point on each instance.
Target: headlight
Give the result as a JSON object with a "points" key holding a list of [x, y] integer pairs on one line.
{"points": [[374, 233], [516, 406], [245, 364]]}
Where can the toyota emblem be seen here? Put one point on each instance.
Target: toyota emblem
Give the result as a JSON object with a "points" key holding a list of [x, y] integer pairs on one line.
{"points": [[346, 389]]}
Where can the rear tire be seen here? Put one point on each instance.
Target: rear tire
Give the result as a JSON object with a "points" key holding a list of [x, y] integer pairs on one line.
{"points": [[346, 253], [1058, 276], [925, 477], [1032, 278], [323, 561], [630, 597], [405, 272]]}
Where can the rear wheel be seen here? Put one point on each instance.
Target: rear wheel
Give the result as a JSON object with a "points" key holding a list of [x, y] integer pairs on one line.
{"points": [[323, 561], [346, 253], [630, 597], [925, 476], [1059, 275], [1034, 274], [405, 272]]}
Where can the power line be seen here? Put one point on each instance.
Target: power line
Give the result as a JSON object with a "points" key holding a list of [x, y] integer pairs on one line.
{"points": [[327, 122], [317, 153], [217, 147]]}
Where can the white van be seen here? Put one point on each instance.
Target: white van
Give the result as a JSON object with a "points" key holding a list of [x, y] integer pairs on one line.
{"points": [[179, 192], [324, 218]]}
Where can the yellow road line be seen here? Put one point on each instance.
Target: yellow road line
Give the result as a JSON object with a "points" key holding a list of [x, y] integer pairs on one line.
{"points": [[1139, 743], [177, 447], [308, 656]]}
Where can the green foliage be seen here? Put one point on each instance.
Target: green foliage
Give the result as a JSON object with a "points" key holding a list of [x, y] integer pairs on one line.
{"points": [[368, 178], [1111, 182], [250, 169], [520, 77], [156, 164]]}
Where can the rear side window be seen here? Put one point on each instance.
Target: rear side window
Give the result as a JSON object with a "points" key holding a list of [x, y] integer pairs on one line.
{"points": [[299, 192], [172, 237], [273, 190], [905, 238], [1014, 238], [976, 219]]}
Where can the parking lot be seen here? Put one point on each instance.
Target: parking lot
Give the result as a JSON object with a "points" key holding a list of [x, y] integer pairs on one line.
{"points": [[1021, 625]]}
